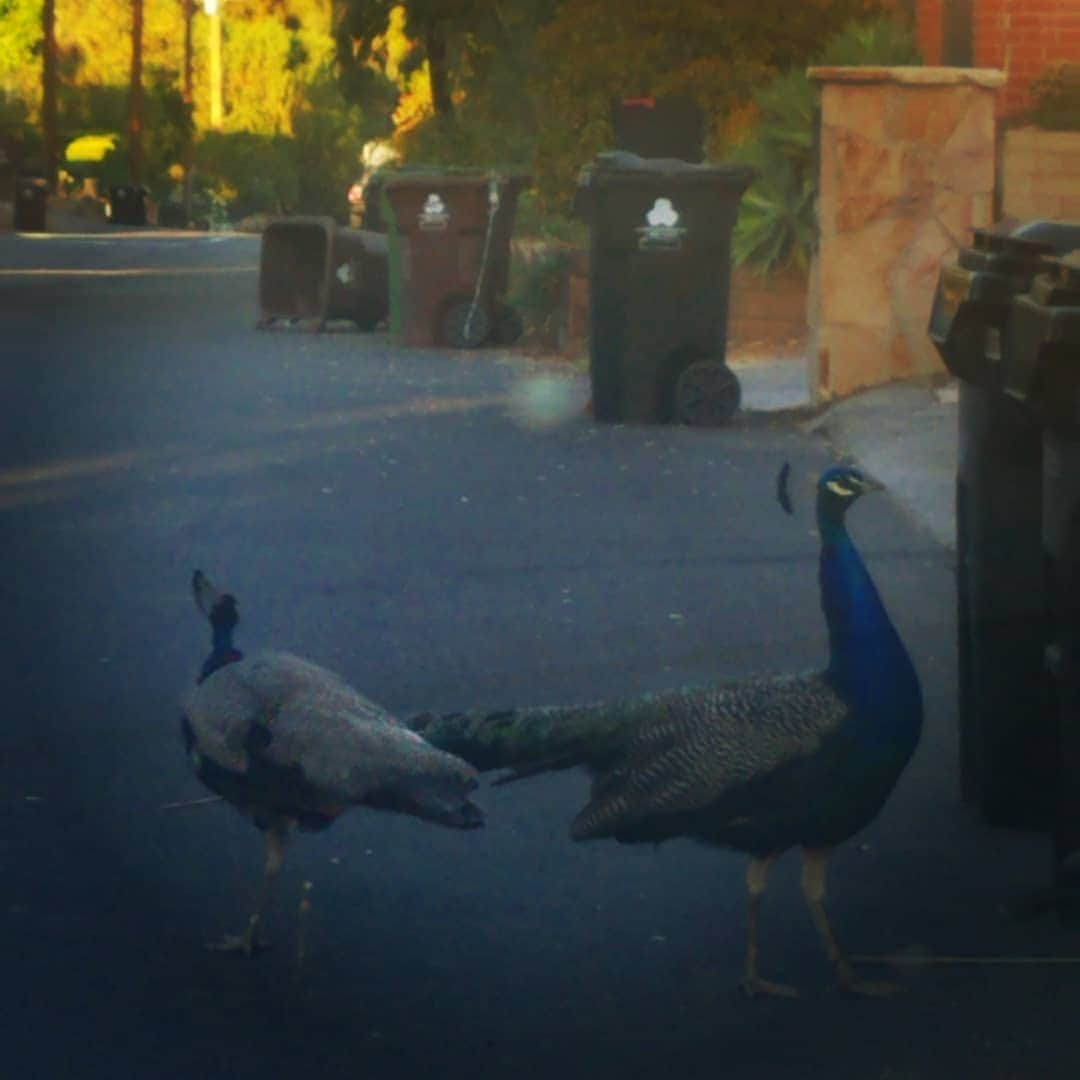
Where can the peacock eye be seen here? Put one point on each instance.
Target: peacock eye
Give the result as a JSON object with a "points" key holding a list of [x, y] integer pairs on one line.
{"points": [[837, 488]]}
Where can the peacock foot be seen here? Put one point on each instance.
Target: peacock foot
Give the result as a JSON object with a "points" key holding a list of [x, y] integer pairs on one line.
{"points": [[755, 987]]}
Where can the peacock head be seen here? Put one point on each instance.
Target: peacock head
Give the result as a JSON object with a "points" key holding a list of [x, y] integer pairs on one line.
{"points": [[838, 488]]}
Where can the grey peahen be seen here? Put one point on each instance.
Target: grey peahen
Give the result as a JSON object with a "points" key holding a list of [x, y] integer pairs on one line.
{"points": [[762, 764], [290, 744]]}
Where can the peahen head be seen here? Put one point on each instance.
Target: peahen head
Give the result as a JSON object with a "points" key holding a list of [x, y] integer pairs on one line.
{"points": [[220, 609], [838, 488]]}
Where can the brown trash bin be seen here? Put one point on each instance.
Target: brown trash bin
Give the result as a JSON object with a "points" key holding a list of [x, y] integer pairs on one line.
{"points": [[452, 231], [311, 270]]}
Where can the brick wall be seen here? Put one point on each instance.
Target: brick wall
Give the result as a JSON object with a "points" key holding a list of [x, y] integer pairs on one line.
{"points": [[1020, 36], [930, 26]]}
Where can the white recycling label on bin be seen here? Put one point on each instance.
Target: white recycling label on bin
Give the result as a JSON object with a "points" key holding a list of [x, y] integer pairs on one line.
{"points": [[662, 228], [434, 215]]}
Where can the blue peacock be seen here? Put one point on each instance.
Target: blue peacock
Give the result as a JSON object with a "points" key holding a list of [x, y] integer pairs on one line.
{"points": [[290, 744], [761, 765]]}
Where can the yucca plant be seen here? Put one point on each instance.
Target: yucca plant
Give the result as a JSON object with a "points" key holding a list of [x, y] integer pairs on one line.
{"points": [[776, 218], [777, 225]]}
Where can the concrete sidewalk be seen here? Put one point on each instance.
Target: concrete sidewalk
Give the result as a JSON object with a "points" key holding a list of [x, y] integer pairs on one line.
{"points": [[903, 433]]}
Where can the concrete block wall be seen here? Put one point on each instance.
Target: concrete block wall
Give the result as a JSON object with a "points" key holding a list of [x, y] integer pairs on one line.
{"points": [[1040, 174]]}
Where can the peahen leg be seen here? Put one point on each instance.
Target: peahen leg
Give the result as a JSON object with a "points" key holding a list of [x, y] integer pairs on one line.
{"points": [[248, 942], [757, 875], [815, 866]]}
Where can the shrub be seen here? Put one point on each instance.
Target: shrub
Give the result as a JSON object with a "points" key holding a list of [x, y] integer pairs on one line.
{"points": [[536, 291], [1055, 96], [249, 173]]}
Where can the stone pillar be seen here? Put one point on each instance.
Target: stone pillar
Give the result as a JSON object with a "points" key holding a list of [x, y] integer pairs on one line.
{"points": [[907, 170]]}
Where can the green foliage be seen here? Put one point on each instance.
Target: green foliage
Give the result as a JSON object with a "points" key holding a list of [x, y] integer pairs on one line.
{"points": [[534, 221], [308, 172], [19, 139], [1055, 96], [594, 52], [20, 44], [329, 136], [536, 292], [777, 225], [887, 41], [166, 126], [249, 173]]}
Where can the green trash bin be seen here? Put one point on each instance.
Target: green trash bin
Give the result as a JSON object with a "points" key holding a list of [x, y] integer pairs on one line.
{"points": [[450, 255], [659, 276]]}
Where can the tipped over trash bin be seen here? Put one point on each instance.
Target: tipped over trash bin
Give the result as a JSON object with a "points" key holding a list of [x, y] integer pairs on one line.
{"points": [[450, 247], [659, 270], [312, 271]]}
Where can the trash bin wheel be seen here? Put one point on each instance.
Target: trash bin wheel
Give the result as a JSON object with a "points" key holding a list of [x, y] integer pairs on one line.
{"points": [[465, 326], [707, 394], [367, 312], [509, 325]]}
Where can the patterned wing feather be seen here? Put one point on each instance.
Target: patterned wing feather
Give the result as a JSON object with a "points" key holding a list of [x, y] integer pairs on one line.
{"points": [[705, 745]]}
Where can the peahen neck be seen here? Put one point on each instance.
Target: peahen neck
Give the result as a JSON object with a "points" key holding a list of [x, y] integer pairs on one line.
{"points": [[222, 650], [868, 664]]}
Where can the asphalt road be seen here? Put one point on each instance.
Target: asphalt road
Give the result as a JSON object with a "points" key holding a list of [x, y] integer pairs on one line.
{"points": [[387, 513]]}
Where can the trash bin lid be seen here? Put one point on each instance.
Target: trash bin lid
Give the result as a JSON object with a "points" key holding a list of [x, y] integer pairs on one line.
{"points": [[450, 177], [1062, 236], [622, 167]]}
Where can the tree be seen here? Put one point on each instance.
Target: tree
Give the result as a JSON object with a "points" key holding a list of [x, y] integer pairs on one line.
{"points": [[48, 90], [135, 110], [438, 26], [716, 51]]}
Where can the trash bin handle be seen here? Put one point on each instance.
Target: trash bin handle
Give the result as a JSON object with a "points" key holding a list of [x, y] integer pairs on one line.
{"points": [[493, 209]]}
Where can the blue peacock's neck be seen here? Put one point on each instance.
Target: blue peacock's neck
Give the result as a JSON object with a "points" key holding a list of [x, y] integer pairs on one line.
{"points": [[868, 664]]}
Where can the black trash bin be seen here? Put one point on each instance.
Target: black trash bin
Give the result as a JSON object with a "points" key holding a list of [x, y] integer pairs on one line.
{"points": [[1042, 367], [1006, 739], [126, 204], [311, 271], [671, 127], [659, 275], [31, 197]]}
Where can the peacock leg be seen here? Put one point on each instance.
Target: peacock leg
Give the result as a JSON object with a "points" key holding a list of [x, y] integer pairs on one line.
{"points": [[248, 942], [815, 866], [757, 875]]}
